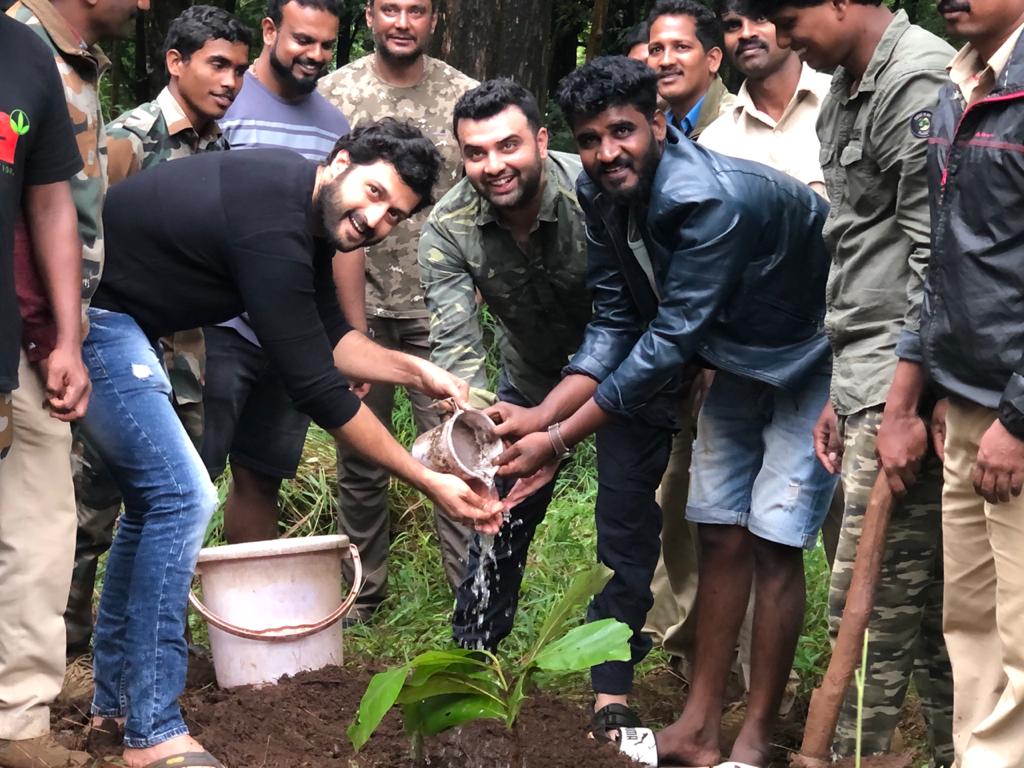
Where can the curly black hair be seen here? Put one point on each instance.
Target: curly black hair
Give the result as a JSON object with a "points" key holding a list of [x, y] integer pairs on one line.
{"points": [[401, 144], [275, 14], [608, 81], [494, 96], [769, 8], [195, 26]]}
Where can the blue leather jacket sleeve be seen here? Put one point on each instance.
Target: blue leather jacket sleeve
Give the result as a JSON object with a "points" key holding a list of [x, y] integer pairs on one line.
{"points": [[710, 245], [616, 324]]}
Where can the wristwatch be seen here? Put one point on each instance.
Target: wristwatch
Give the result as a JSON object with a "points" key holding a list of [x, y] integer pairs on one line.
{"points": [[562, 451]]}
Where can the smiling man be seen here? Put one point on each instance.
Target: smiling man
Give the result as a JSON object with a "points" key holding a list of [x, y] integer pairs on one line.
{"points": [[513, 231], [251, 423], [874, 132], [253, 231], [401, 80], [692, 256], [206, 53], [685, 51]]}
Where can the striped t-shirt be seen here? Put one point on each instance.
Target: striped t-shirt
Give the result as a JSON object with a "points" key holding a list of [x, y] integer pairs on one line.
{"points": [[259, 118]]}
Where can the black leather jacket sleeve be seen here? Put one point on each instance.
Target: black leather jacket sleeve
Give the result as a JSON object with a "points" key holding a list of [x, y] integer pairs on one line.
{"points": [[616, 323], [1011, 406], [710, 243]]}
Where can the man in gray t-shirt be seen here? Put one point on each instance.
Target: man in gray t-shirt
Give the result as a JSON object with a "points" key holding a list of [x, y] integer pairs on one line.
{"points": [[249, 415]]}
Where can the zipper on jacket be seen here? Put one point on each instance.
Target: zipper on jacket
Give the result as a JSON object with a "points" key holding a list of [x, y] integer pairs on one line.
{"points": [[963, 116]]}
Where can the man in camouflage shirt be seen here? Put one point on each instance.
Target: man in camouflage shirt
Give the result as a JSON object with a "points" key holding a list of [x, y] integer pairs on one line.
{"points": [[873, 130], [512, 230], [398, 79], [206, 53]]}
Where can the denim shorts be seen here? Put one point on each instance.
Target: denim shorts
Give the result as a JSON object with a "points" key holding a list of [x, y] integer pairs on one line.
{"points": [[754, 463]]}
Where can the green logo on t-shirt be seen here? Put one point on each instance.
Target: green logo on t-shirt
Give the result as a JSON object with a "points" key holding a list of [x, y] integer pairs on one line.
{"points": [[19, 122]]}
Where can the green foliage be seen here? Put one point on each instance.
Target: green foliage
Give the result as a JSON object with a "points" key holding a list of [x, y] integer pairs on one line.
{"points": [[438, 690]]}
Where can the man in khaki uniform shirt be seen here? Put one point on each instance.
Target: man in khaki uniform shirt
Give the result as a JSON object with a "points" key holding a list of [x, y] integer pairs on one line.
{"points": [[401, 81]]}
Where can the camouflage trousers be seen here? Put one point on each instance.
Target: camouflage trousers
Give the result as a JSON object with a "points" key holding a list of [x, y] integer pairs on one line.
{"points": [[6, 423], [905, 629], [97, 496]]}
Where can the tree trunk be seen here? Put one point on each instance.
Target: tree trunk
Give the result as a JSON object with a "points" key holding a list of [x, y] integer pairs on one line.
{"points": [[507, 38], [598, 21]]}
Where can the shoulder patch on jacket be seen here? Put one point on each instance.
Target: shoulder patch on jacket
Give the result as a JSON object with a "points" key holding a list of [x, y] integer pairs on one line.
{"points": [[921, 124]]}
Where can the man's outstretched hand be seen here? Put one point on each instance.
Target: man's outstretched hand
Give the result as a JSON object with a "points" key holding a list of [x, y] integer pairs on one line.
{"points": [[440, 385], [514, 421], [525, 456], [462, 504], [999, 470]]}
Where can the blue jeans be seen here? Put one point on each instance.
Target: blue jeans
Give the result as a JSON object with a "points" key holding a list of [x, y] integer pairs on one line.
{"points": [[140, 656], [754, 464]]}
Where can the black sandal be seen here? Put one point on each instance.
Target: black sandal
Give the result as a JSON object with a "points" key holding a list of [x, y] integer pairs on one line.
{"points": [[610, 718]]}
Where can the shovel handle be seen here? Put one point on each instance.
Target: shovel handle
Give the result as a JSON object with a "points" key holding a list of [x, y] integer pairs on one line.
{"points": [[297, 631]]}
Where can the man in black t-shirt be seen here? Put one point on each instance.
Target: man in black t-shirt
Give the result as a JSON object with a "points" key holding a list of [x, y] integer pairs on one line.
{"points": [[38, 155], [196, 242]]}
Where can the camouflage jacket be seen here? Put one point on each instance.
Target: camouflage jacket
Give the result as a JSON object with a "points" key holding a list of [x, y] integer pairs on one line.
{"points": [[537, 295], [153, 133], [80, 68], [392, 281]]}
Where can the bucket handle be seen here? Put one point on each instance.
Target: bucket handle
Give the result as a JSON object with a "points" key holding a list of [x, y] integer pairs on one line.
{"points": [[296, 632]]}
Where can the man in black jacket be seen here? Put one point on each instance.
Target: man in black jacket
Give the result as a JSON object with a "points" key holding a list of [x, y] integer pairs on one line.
{"points": [[692, 254], [970, 344]]}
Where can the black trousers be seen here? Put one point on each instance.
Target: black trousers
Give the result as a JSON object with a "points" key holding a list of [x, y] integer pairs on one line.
{"points": [[631, 458]]}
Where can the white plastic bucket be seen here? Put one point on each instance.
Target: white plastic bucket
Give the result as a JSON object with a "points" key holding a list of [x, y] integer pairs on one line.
{"points": [[274, 607]]}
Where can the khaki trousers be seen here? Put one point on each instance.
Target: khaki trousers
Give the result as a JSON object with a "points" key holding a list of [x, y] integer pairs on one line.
{"points": [[37, 549], [983, 610]]}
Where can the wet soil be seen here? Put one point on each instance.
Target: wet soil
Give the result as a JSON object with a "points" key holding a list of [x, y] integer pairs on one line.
{"points": [[301, 722]]}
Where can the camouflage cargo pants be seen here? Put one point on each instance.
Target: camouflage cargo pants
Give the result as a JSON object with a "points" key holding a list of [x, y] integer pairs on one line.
{"points": [[97, 496], [905, 630]]}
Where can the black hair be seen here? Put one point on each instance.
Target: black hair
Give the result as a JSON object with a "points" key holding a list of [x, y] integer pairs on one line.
{"points": [[398, 143], [709, 32], [741, 7], [494, 96], [196, 26], [769, 8], [431, 3], [635, 35], [274, 8], [608, 81]]}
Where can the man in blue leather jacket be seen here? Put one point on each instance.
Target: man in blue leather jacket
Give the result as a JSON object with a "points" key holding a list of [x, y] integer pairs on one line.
{"points": [[697, 257]]}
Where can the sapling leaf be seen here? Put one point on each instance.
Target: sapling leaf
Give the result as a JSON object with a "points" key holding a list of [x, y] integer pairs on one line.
{"points": [[585, 646], [585, 585], [440, 713], [478, 684], [381, 694]]}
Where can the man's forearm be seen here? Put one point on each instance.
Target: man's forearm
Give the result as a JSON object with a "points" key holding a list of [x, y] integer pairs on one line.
{"points": [[366, 435], [566, 398], [349, 270], [360, 359], [907, 386], [53, 226]]}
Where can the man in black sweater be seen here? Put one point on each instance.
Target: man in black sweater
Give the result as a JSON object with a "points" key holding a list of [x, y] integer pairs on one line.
{"points": [[193, 243]]}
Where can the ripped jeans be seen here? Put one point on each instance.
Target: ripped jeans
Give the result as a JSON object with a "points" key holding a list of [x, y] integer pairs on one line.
{"points": [[140, 656]]}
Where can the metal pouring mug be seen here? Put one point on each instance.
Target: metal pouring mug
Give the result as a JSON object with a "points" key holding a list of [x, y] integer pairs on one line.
{"points": [[464, 446]]}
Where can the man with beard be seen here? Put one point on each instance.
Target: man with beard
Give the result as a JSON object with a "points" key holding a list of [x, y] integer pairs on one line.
{"points": [[693, 255], [970, 345], [874, 132], [206, 54], [249, 419], [397, 79], [252, 231], [684, 50], [513, 232]]}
